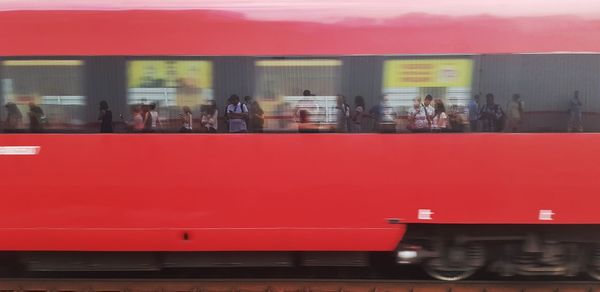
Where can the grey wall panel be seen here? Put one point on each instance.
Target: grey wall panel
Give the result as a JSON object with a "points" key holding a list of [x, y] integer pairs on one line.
{"points": [[106, 79], [232, 75], [546, 83], [499, 75], [362, 75], [550, 80]]}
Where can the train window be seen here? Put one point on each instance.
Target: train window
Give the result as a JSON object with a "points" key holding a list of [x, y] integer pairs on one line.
{"points": [[558, 92], [298, 89], [169, 85], [45, 94], [392, 94], [407, 82]]}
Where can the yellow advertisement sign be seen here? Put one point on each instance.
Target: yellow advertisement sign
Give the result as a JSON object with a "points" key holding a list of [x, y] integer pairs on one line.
{"points": [[170, 74], [28, 92], [427, 73]]}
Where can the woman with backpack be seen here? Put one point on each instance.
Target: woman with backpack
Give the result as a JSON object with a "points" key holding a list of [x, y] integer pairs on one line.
{"points": [[237, 114]]}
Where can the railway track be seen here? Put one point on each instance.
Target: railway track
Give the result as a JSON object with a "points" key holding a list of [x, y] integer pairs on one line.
{"points": [[94, 285]]}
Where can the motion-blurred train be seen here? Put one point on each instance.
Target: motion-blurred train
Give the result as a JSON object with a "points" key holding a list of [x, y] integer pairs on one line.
{"points": [[513, 203]]}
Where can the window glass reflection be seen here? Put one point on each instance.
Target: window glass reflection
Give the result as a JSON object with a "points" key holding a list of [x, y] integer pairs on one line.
{"points": [[43, 94], [167, 85], [298, 95], [420, 91]]}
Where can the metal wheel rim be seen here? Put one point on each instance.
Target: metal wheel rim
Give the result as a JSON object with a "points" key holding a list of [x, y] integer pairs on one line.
{"points": [[446, 275]]}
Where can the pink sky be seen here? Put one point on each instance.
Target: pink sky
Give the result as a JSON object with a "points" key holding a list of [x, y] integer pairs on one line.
{"points": [[332, 10]]}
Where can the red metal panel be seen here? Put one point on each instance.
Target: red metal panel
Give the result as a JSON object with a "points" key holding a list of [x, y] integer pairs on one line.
{"points": [[284, 191], [211, 32], [201, 239]]}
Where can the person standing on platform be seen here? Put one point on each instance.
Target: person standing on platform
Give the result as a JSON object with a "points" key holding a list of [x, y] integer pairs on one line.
{"points": [[105, 117]]}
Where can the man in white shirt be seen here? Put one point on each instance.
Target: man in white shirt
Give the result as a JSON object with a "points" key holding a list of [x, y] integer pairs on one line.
{"points": [[237, 113]]}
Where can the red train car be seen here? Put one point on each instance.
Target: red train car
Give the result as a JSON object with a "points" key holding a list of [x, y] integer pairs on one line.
{"points": [[517, 203]]}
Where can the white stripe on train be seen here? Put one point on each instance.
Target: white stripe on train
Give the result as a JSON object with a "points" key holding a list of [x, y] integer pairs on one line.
{"points": [[19, 150]]}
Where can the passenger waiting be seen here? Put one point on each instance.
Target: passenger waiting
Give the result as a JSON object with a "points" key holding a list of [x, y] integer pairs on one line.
{"points": [[145, 110], [256, 115], [359, 114], [474, 113], [455, 119], [105, 117], [342, 114], [429, 109], [417, 117], [492, 116], [37, 119], [226, 114], [209, 119], [237, 113], [439, 121], [375, 113], [514, 113], [575, 114], [151, 121], [186, 120], [14, 118], [137, 120]]}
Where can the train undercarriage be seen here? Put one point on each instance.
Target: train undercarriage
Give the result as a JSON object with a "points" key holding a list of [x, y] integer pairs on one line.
{"points": [[456, 252], [444, 252]]}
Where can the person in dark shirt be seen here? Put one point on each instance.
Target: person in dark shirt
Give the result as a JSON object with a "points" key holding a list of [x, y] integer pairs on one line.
{"points": [[36, 118], [257, 119], [375, 113], [14, 118], [105, 118], [492, 115]]}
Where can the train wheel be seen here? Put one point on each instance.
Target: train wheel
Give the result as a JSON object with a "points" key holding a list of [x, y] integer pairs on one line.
{"points": [[455, 263], [445, 274]]}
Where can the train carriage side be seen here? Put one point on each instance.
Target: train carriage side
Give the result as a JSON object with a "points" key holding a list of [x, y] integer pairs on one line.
{"points": [[516, 203]]}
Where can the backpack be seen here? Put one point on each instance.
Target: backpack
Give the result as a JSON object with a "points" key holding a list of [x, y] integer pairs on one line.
{"points": [[243, 108]]}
